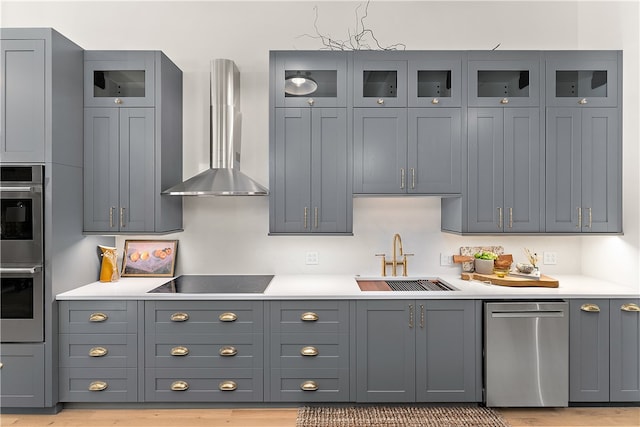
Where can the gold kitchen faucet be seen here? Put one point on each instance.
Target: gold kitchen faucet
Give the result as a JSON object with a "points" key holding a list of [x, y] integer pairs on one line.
{"points": [[394, 263]]}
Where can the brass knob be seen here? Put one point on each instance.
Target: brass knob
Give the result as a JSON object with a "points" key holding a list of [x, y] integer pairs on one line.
{"points": [[380, 101], [593, 308], [179, 351], [228, 317], [227, 386], [435, 101], [98, 317], [504, 101], [311, 101], [1, 365], [98, 352], [179, 385], [118, 101], [630, 307], [179, 317], [309, 317], [309, 386], [583, 101], [309, 351], [98, 386], [228, 351]]}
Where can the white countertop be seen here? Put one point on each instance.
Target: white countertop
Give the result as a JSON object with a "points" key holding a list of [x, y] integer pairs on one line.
{"points": [[345, 287]]}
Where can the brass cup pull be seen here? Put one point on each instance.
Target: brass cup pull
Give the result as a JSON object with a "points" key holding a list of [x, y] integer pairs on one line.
{"points": [[98, 386], [227, 386], [228, 317], [630, 307], [228, 351], [98, 317], [179, 351], [179, 317], [309, 351], [98, 352], [592, 308], [309, 316], [179, 385], [309, 386]]}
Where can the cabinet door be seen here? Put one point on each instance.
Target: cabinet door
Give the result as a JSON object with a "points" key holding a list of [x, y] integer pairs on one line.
{"points": [[22, 375], [504, 83], [589, 351], [434, 151], [330, 193], [291, 195], [385, 351], [601, 166], [447, 350], [137, 170], [379, 82], [380, 151], [22, 108], [521, 182], [434, 82], [101, 169], [485, 170], [563, 172], [625, 350]]}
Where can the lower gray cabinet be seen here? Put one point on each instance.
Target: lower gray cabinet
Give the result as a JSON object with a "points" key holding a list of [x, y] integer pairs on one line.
{"points": [[604, 350], [21, 374], [425, 351]]}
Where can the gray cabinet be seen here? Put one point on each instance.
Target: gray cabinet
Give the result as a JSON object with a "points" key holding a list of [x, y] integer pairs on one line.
{"points": [[379, 79], [132, 142], [426, 351], [98, 351], [21, 375], [604, 350], [203, 351], [309, 351], [503, 174]]}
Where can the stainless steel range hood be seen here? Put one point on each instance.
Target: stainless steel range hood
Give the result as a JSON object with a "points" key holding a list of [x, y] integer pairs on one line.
{"points": [[223, 178]]}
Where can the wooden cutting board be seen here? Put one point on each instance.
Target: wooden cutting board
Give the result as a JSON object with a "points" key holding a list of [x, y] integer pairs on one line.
{"points": [[545, 281]]}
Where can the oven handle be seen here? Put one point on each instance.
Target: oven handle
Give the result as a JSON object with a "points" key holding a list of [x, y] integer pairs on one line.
{"points": [[21, 270], [19, 189]]}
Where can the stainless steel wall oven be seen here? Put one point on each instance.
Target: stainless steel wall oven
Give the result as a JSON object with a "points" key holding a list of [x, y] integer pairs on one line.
{"points": [[21, 253]]}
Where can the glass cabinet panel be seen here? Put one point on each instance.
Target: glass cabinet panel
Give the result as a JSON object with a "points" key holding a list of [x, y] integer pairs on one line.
{"points": [[114, 83], [503, 83], [435, 79], [434, 84], [379, 79], [511, 80], [581, 83], [316, 83], [380, 83]]}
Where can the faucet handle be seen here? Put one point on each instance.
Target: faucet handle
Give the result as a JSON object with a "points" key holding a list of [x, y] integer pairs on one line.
{"points": [[384, 264]]}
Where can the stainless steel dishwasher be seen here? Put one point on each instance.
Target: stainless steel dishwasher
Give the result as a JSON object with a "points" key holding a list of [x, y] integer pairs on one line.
{"points": [[526, 348]]}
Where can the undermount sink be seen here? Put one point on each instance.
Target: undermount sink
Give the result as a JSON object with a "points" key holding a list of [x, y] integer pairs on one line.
{"points": [[410, 285]]}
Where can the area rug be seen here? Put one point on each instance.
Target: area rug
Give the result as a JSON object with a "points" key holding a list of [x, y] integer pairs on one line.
{"points": [[399, 416]]}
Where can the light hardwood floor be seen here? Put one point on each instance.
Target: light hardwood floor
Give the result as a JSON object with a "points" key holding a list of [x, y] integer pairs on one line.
{"points": [[286, 417]]}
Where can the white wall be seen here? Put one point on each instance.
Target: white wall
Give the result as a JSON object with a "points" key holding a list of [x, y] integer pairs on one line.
{"points": [[229, 235]]}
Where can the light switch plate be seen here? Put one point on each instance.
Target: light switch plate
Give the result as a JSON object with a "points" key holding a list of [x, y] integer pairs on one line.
{"points": [[549, 258], [311, 258]]}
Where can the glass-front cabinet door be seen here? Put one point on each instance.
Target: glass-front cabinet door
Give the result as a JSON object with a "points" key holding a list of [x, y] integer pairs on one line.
{"points": [[379, 80], [434, 81], [310, 79], [504, 82], [119, 79], [582, 79]]}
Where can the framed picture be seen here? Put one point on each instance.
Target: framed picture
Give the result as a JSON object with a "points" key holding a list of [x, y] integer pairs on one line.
{"points": [[149, 258]]}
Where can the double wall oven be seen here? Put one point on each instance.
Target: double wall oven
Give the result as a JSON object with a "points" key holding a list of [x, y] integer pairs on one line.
{"points": [[21, 253]]}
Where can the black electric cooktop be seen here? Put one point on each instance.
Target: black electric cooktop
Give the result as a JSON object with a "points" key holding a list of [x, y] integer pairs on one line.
{"points": [[205, 284]]}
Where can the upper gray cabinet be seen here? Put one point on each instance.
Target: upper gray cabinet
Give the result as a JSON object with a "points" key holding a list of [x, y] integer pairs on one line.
{"points": [[379, 79], [435, 79], [132, 142]]}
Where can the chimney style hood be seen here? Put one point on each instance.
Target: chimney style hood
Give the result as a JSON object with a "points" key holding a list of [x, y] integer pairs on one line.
{"points": [[223, 178]]}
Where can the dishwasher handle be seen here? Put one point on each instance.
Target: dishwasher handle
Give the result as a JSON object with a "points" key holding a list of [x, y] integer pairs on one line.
{"points": [[526, 314]]}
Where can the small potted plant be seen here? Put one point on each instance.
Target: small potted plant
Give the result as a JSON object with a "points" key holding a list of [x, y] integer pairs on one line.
{"points": [[484, 262]]}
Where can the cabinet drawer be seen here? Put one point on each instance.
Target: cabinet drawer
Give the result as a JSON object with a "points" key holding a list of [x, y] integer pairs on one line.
{"points": [[98, 317], [98, 351], [203, 385], [310, 317], [202, 351], [310, 351], [203, 317], [324, 385], [98, 385]]}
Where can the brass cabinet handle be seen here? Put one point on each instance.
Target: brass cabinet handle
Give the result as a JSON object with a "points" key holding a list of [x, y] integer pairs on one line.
{"points": [[315, 217], [179, 385], [179, 351], [309, 316], [630, 307], [380, 101], [228, 317], [435, 101], [592, 308], [1, 365], [309, 351], [98, 317], [510, 217], [583, 101], [413, 178], [227, 386], [122, 225], [422, 316], [228, 351], [111, 209], [590, 218], [579, 217], [179, 317], [117, 101], [309, 386], [411, 315], [402, 178], [98, 352], [306, 213], [311, 101], [499, 217], [98, 386], [504, 101]]}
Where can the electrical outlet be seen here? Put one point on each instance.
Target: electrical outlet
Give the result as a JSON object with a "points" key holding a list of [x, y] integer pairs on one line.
{"points": [[446, 259], [550, 258], [311, 258]]}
